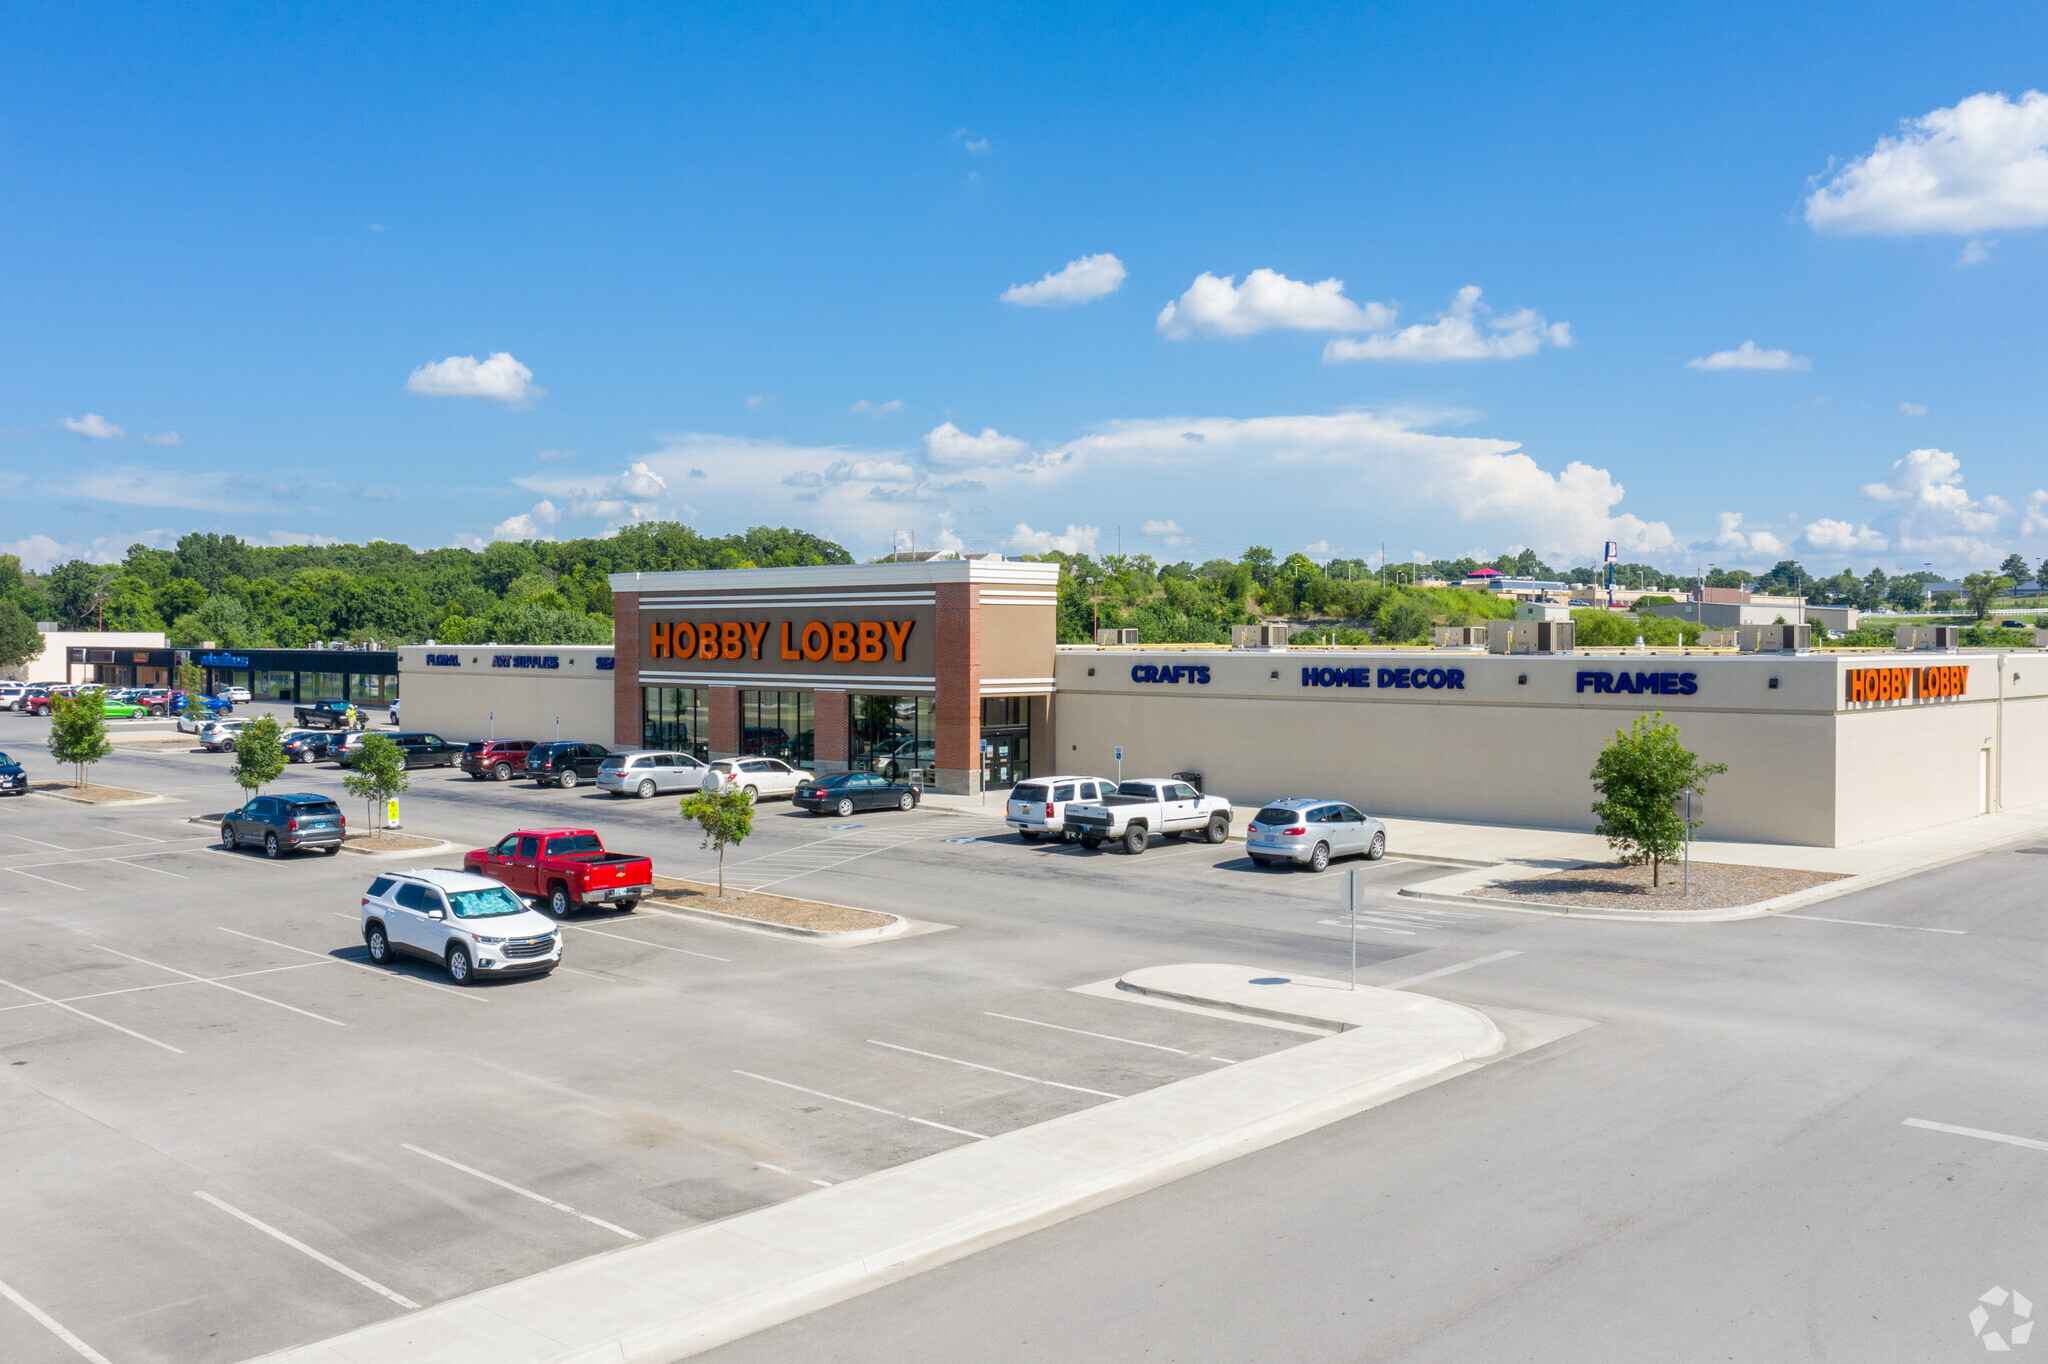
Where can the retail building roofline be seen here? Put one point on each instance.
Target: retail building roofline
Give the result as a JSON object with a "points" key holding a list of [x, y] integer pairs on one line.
{"points": [[927, 573]]}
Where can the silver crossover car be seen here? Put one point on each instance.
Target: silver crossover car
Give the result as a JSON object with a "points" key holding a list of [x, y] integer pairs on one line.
{"points": [[1312, 831], [647, 773]]}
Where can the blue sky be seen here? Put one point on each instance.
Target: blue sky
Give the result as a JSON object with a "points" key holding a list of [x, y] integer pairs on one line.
{"points": [[447, 274]]}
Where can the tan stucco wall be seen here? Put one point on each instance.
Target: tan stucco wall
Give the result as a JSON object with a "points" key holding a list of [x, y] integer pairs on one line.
{"points": [[456, 703], [1804, 767]]}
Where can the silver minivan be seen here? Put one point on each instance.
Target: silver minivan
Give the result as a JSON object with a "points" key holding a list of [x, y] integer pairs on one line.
{"points": [[649, 772], [1313, 830]]}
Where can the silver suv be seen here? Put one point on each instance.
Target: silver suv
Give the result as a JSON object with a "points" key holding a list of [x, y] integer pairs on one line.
{"points": [[649, 772], [459, 920], [1312, 831]]}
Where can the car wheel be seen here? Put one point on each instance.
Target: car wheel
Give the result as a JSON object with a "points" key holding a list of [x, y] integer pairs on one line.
{"points": [[753, 792], [627, 905], [333, 850], [503, 771], [476, 776], [304, 755], [272, 849], [227, 837], [1320, 858], [559, 903], [905, 801], [1378, 848], [1135, 839], [1091, 842], [1218, 830], [1028, 835], [1262, 861], [646, 790], [844, 807], [379, 945], [459, 969], [568, 779]]}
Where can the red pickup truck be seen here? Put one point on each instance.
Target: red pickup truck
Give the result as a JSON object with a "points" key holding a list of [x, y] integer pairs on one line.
{"points": [[565, 867]]}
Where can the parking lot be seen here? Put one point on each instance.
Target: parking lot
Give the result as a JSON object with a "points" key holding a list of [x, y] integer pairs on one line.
{"points": [[229, 1133]]}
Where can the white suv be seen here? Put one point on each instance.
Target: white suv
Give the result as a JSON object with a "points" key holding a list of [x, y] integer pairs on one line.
{"points": [[457, 919]]}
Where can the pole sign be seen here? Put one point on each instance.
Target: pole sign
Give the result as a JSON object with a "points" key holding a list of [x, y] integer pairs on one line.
{"points": [[1613, 551]]}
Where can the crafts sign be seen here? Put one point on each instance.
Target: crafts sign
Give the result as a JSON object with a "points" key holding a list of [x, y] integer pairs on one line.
{"points": [[1942, 682]]}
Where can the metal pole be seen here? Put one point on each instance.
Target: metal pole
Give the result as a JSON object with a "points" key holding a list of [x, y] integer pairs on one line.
{"points": [[1356, 889], [558, 728], [494, 724], [1685, 890]]}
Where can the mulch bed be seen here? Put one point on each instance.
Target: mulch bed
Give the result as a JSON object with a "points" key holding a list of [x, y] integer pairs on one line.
{"points": [[1611, 885], [774, 909], [90, 792], [386, 841]]}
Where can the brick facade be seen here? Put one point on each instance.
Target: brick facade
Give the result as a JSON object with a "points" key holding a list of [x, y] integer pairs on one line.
{"points": [[626, 674], [725, 721], [956, 701], [831, 742]]}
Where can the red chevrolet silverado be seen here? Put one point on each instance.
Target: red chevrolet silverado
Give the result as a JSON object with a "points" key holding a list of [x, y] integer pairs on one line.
{"points": [[565, 867]]}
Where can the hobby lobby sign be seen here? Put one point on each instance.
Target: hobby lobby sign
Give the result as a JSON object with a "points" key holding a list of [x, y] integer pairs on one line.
{"points": [[1908, 684]]}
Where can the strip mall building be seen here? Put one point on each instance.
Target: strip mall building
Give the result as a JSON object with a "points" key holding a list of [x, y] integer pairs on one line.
{"points": [[948, 671]]}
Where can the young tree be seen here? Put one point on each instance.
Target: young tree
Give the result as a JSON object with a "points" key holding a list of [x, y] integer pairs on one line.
{"points": [[377, 773], [2014, 567], [20, 641], [78, 730], [726, 817], [1639, 776], [191, 677], [1983, 589], [259, 757]]}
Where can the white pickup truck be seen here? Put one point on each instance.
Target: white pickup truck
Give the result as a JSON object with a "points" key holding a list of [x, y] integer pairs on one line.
{"points": [[1137, 810]]}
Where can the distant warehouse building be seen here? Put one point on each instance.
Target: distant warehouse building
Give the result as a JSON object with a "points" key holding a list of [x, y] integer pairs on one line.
{"points": [[947, 671]]}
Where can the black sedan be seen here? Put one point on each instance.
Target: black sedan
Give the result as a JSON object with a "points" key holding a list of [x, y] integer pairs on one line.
{"points": [[844, 792], [308, 745], [13, 780]]}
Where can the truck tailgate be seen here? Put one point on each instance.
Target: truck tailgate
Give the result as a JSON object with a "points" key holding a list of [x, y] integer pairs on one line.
{"points": [[617, 870]]}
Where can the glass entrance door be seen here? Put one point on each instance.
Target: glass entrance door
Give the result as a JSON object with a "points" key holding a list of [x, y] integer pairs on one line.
{"points": [[1005, 757]]}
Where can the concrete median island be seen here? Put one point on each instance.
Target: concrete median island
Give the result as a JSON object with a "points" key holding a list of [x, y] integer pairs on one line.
{"points": [[772, 913]]}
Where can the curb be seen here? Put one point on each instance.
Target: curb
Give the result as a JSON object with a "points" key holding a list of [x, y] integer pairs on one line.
{"points": [[439, 845], [1227, 1006], [144, 799], [897, 924]]}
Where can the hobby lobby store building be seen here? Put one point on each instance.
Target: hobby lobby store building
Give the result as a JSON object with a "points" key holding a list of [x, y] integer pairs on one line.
{"points": [[948, 672]]}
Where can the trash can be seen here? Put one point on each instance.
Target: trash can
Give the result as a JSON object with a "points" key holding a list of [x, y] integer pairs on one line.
{"points": [[1193, 779]]}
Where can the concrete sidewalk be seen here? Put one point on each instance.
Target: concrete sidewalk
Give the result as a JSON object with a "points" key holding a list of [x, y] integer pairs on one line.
{"points": [[694, 1289]]}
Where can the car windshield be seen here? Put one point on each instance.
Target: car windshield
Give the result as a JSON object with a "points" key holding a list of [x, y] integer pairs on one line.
{"points": [[475, 746], [1030, 795], [574, 843], [1141, 789], [6, 761], [316, 807], [615, 761], [837, 779], [484, 904], [1274, 814]]}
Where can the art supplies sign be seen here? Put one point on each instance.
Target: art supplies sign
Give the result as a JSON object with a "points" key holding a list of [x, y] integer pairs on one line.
{"points": [[1945, 682]]}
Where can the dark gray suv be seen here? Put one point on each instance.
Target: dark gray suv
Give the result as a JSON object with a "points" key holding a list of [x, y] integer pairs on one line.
{"points": [[282, 824]]}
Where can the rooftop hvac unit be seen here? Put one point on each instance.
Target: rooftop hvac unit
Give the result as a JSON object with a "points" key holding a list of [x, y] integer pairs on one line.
{"points": [[1111, 639], [1770, 639], [1530, 636], [1258, 636], [1927, 637], [1718, 639], [1458, 637]]}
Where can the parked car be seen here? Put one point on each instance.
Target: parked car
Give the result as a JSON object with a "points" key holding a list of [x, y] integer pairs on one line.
{"points": [[427, 750], [194, 710], [236, 694], [468, 924], [1312, 830], [844, 792], [762, 776], [282, 824], [565, 867], [394, 710], [121, 710], [13, 779], [306, 745], [218, 736], [11, 694], [340, 746], [495, 758], [565, 762], [324, 714], [1137, 810], [1039, 806], [36, 700], [649, 772], [905, 756]]}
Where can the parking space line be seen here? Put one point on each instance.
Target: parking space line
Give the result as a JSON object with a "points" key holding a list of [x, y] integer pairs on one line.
{"points": [[52, 1325], [856, 1103], [1447, 970], [1128, 1041], [140, 867], [44, 879], [523, 1193], [1978, 1133], [165, 985], [1871, 923], [126, 833], [94, 1017], [821, 1183], [642, 942], [222, 985], [1364, 922], [454, 990], [40, 844], [973, 1065], [304, 1249]]}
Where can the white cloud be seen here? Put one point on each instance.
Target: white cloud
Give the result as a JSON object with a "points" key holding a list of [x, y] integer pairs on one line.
{"points": [[870, 471], [195, 491], [978, 145], [1930, 512], [166, 438], [1980, 165], [94, 425], [525, 526], [1077, 540], [1975, 252], [2036, 520], [1828, 534], [1466, 331], [878, 410], [1266, 300], [1912, 409], [761, 402], [1321, 550], [290, 537], [1747, 356], [1749, 542], [500, 379], [1167, 531], [638, 493], [1079, 281], [947, 445], [554, 456], [38, 552]]}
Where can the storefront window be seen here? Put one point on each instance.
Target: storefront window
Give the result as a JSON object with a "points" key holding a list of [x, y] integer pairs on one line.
{"points": [[676, 718], [893, 735], [273, 686], [322, 687], [778, 724], [374, 689]]}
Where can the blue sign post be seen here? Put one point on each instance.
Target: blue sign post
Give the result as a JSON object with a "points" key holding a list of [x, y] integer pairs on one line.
{"points": [[1119, 764]]}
